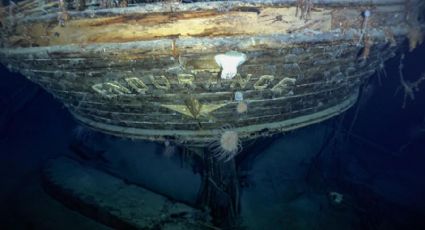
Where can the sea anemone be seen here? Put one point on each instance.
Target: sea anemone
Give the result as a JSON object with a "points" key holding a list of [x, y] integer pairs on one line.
{"points": [[227, 145]]}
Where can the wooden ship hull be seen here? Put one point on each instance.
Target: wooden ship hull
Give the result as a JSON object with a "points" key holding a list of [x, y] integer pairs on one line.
{"points": [[149, 71], [202, 73]]}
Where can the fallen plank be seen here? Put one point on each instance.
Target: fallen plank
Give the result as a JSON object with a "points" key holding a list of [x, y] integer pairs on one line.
{"points": [[112, 201]]}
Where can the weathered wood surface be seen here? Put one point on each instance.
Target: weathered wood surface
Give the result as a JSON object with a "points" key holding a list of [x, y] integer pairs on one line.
{"points": [[232, 19], [137, 71]]}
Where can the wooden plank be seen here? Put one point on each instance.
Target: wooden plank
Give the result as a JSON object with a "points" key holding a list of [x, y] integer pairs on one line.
{"points": [[112, 201]]}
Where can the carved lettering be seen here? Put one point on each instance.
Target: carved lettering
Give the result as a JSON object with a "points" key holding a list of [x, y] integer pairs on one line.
{"points": [[285, 86], [263, 82], [137, 85], [186, 80], [241, 81], [110, 89], [212, 82], [160, 82]]}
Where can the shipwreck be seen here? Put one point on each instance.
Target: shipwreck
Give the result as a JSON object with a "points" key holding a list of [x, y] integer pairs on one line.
{"points": [[207, 75]]}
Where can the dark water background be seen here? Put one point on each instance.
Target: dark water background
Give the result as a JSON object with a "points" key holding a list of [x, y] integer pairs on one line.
{"points": [[379, 147]]}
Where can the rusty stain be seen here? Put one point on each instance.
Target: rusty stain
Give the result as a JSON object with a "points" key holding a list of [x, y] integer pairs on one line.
{"points": [[174, 49]]}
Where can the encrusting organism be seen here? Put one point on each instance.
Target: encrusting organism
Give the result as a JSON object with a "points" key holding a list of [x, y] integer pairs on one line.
{"points": [[241, 107], [366, 48], [366, 14]]}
